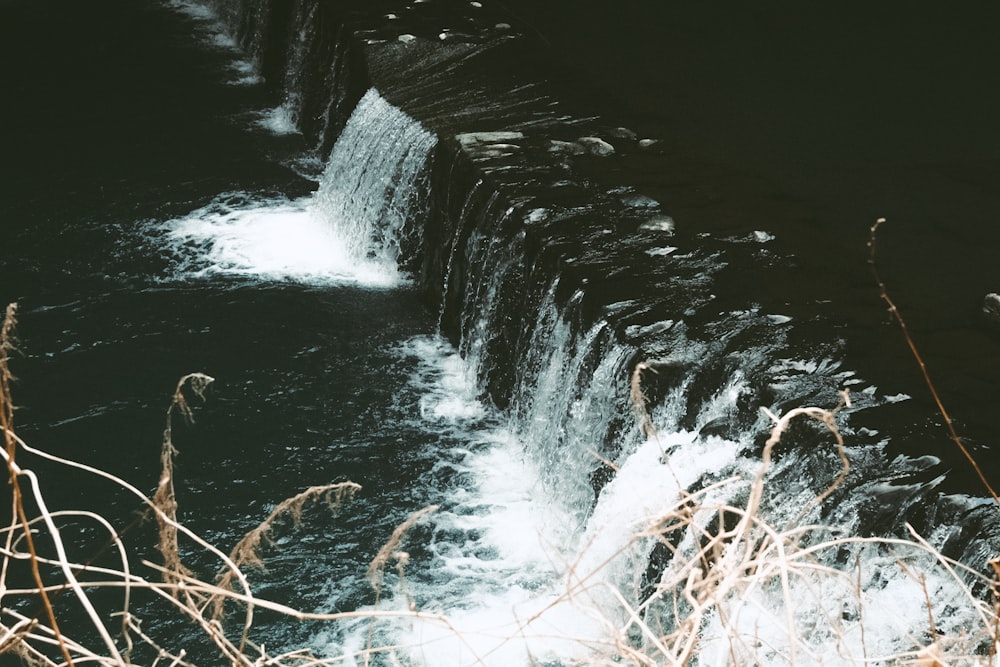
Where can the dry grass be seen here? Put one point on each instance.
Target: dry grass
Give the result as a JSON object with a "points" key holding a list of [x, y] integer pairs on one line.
{"points": [[735, 589], [38, 640], [701, 608]]}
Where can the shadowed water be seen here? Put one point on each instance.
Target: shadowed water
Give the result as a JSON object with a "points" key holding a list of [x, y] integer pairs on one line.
{"points": [[178, 232]]}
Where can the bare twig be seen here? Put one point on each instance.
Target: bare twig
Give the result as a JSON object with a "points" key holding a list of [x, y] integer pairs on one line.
{"points": [[17, 502], [639, 400], [894, 311], [165, 498], [247, 550]]}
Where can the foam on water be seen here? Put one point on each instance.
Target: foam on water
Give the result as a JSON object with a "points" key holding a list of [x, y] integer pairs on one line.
{"points": [[822, 618], [493, 491], [513, 578], [500, 546], [280, 120], [245, 73], [652, 482], [211, 31], [280, 241], [524, 565], [349, 232], [195, 10]]}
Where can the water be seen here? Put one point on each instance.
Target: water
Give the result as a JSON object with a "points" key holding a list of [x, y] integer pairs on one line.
{"points": [[176, 223], [156, 232]]}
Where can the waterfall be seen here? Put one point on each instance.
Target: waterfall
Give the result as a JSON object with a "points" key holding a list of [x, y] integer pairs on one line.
{"points": [[630, 370], [352, 230], [373, 189]]}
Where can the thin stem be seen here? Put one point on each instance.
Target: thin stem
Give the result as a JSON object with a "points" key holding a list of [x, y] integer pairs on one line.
{"points": [[883, 292]]}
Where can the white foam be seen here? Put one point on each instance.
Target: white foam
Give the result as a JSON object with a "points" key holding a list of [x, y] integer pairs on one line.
{"points": [[224, 41], [472, 139], [447, 388], [347, 232], [659, 223], [245, 73], [650, 483], [195, 10], [501, 552], [661, 252], [279, 120], [821, 619], [513, 579], [211, 31], [509, 629], [283, 241]]}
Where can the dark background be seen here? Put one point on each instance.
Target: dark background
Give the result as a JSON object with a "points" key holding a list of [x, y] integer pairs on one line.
{"points": [[811, 94], [845, 112], [860, 110], [841, 112]]}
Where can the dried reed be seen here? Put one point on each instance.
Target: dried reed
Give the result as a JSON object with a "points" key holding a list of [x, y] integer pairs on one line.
{"points": [[713, 580]]}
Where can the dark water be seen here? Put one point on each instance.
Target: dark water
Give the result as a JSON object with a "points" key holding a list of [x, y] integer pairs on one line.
{"points": [[118, 115], [853, 112], [123, 116]]}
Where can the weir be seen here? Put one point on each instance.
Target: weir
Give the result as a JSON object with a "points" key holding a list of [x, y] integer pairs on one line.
{"points": [[631, 329]]}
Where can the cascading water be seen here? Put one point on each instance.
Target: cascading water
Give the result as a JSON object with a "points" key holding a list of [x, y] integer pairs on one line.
{"points": [[374, 187], [350, 230], [587, 422], [546, 540]]}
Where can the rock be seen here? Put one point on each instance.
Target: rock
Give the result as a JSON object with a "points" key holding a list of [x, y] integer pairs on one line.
{"points": [[570, 147], [596, 146], [473, 139], [640, 201], [658, 223], [991, 310], [622, 133]]}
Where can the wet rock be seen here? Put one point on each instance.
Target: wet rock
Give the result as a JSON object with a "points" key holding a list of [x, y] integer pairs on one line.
{"points": [[640, 201], [622, 133], [991, 311], [566, 147], [659, 223], [596, 146]]}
